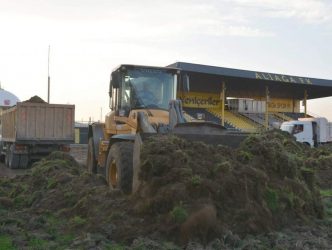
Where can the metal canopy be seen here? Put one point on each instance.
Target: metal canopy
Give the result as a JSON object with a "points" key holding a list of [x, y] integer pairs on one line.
{"points": [[245, 83]]}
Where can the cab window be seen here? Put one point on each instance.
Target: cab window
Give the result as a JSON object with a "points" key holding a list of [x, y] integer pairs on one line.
{"points": [[298, 128]]}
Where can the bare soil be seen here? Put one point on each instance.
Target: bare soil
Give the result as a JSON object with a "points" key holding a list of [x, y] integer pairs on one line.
{"points": [[267, 194]]}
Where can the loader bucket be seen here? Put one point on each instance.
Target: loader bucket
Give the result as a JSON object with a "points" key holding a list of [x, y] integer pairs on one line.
{"points": [[208, 133]]}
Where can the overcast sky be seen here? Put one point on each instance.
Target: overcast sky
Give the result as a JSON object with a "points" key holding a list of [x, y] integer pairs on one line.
{"points": [[89, 38]]}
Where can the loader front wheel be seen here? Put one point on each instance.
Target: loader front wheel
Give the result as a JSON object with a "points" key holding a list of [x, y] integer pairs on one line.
{"points": [[119, 166], [91, 162]]}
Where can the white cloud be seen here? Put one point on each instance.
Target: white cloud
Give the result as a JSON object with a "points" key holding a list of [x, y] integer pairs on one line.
{"points": [[156, 20], [310, 11]]}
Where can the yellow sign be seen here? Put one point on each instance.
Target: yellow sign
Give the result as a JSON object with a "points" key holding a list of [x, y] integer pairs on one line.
{"points": [[200, 100], [283, 105]]}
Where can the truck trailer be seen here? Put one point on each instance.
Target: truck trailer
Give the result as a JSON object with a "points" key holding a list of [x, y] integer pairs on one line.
{"points": [[311, 131], [30, 131]]}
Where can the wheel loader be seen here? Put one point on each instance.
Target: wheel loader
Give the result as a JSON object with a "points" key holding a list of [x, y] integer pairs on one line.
{"points": [[143, 103]]}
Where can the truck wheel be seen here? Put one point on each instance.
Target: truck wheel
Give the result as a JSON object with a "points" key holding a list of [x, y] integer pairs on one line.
{"points": [[14, 159], [119, 166], [91, 162], [101, 171], [24, 161], [7, 157]]}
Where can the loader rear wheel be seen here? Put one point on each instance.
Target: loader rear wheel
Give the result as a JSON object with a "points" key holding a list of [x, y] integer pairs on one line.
{"points": [[119, 166], [91, 162]]}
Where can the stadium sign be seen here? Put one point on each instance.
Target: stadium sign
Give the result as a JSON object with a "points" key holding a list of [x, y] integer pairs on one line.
{"points": [[282, 78]]}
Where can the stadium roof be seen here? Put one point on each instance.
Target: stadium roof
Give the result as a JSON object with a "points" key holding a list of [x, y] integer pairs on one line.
{"points": [[245, 83]]}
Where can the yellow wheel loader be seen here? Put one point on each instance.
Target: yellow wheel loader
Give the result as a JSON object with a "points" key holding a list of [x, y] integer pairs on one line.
{"points": [[143, 102]]}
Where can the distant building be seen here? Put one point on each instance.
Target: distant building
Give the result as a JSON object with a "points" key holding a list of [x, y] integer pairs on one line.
{"points": [[81, 132], [7, 99]]}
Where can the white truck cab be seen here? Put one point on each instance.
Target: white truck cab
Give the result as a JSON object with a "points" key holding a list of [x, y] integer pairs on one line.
{"points": [[302, 130], [311, 131]]}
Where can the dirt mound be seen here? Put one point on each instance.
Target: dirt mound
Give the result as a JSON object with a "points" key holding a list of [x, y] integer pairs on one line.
{"points": [[35, 99], [321, 160], [191, 194], [263, 185], [53, 203]]}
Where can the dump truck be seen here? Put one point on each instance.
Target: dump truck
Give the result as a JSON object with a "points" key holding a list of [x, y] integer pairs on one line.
{"points": [[29, 131], [312, 131], [143, 103]]}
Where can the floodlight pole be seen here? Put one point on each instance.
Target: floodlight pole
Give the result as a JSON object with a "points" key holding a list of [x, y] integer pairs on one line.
{"points": [[48, 73]]}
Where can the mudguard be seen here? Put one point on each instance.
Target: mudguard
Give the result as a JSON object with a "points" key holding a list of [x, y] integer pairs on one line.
{"points": [[96, 131], [122, 137]]}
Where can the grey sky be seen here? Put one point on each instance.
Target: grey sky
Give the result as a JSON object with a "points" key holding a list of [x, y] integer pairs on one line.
{"points": [[89, 38]]}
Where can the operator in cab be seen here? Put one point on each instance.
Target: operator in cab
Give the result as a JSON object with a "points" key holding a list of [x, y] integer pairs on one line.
{"points": [[146, 95]]}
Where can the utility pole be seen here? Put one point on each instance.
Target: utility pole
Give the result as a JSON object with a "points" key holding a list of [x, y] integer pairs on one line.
{"points": [[48, 73]]}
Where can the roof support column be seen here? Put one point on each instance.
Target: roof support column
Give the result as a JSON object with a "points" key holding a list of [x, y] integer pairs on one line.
{"points": [[223, 98], [305, 103], [267, 100]]}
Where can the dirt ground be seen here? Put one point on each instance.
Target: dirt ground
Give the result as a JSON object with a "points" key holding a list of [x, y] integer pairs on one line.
{"points": [[270, 193], [78, 151], [4, 171]]}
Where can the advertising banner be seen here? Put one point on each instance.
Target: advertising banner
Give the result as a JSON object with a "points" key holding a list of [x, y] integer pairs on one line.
{"points": [[200, 100], [283, 105]]}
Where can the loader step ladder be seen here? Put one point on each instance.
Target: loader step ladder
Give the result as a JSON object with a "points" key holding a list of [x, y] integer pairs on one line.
{"points": [[282, 116]]}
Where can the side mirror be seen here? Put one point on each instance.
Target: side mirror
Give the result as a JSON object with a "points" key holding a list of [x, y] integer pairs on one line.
{"points": [[115, 79], [110, 89], [186, 83]]}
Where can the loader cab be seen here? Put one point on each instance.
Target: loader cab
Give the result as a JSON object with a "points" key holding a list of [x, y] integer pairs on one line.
{"points": [[141, 87]]}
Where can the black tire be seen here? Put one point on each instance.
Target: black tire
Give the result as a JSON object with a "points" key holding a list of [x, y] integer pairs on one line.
{"points": [[24, 161], [2, 156], [7, 157], [13, 159], [119, 166], [101, 171], [91, 162]]}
